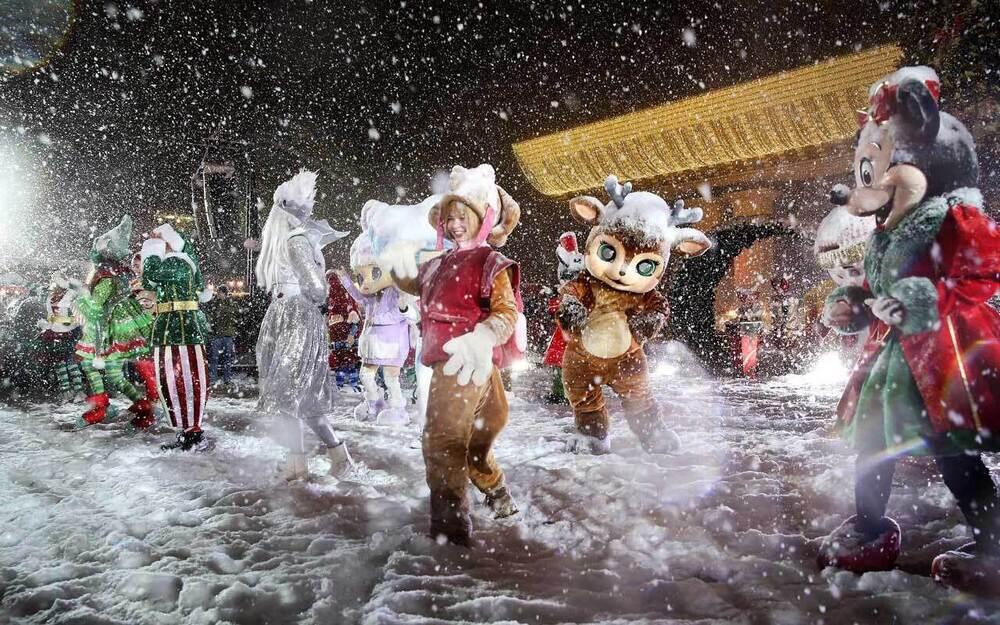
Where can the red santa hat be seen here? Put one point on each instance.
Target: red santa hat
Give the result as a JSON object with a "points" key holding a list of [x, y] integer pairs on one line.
{"points": [[567, 241]]}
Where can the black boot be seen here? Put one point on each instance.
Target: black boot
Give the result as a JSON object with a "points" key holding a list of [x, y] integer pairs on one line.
{"points": [[186, 441]]}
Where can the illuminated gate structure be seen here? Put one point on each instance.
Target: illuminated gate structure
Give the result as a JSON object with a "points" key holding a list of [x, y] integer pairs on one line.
{"points": [[757, 157]]}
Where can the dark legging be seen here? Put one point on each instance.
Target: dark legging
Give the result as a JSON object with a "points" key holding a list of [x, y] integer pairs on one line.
{"points": [[966, 477]]}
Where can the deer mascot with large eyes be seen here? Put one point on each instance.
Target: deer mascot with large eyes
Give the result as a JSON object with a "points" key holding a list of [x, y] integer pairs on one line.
{"points": [[610, 310], [928, 380]]}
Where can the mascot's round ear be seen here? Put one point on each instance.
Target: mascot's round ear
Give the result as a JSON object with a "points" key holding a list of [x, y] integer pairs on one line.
{"points": [[918, 109], [586, 209]]}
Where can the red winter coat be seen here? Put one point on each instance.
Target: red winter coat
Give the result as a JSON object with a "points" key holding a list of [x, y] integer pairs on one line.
{"points": [[455, 291], [956, 365]]}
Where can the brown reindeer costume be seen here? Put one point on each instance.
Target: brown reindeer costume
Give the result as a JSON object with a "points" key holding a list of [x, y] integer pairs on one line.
{"points": [[609, 311], [469, 311]]}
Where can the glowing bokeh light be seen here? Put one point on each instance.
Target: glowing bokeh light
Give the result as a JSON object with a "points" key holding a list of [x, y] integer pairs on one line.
{"points": [[31, 30]]}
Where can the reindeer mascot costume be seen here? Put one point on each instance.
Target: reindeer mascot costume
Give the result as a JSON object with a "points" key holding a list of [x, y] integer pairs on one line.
{"points": [[471, 321], [928, 380], [611, 309]]}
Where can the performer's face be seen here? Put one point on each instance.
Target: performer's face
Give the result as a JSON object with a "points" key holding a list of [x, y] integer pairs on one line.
{"points": [[460, 223]]}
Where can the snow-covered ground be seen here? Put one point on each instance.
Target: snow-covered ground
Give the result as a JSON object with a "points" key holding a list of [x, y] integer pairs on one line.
{"points": [[97, 527]]}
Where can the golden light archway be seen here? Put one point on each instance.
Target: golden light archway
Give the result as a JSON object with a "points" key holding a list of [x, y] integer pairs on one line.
{"points": [[722, 136]]}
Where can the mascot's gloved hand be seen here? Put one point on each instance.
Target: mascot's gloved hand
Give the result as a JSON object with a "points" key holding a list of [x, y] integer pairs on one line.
{"points": [[646, 325], [571, 314], [400, 258], [889, 309], [471, 355]]}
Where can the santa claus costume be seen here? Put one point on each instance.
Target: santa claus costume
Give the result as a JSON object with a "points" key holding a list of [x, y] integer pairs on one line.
{"points": [[60, 332], [570, 265], [171, 270], [292, 347]]}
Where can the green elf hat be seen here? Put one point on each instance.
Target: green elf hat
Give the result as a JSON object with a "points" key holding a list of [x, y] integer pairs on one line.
{"points": [[113, 244]]}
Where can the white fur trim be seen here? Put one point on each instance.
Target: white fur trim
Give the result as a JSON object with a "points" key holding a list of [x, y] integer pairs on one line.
{"points": [[183, 257], [968, 195], [153, 247], [171, 236], [206, 295]]}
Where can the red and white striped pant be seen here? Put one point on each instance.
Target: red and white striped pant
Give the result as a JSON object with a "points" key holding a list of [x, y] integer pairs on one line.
{"points": [[182, 380]]}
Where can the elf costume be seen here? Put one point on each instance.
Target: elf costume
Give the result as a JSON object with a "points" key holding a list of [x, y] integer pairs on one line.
{"points": [[170, 268], [114, 330], [60, 332]]}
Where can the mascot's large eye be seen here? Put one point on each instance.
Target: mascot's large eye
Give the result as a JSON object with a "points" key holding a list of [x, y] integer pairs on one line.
{"points": [[646, 268], [867, 172], [376, 274], [606, 252]]}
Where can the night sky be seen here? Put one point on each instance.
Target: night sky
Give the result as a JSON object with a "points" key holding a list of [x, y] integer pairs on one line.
{"points": [[378, 95]]}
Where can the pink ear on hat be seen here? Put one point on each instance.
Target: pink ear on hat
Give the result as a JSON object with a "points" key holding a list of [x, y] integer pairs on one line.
{"points": [[568, 242]]}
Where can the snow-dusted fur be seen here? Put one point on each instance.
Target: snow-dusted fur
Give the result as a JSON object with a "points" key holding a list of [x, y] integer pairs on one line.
{"points": [[297, 196], [477, 189], [642, 218], [382, 224]]}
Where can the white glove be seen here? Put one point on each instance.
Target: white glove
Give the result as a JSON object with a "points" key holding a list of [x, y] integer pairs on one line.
{"points": [[889, 309], [471, 355], [400, 258]]}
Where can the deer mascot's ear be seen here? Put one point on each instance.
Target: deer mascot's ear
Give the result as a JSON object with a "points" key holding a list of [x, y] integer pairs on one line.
{"points": [[586, 209], [690, 242], [918, 110]]}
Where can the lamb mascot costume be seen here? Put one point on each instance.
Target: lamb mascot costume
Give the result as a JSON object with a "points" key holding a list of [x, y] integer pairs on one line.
{"points": [[385, 338], [608, 311], [928, 380], [292, 348]]}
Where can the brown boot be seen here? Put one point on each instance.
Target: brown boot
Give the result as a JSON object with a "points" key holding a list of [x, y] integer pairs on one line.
{"points": [[450, 519]]}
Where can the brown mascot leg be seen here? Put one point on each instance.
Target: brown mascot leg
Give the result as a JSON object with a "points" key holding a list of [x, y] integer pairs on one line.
{"points": [[489, 421], [582, 378], [641, 410], [451, 410]]}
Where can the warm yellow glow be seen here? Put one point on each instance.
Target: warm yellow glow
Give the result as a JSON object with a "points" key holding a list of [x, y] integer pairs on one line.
{"points": [[808, 107]]}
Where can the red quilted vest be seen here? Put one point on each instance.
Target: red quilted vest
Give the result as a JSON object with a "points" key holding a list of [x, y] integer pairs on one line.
{"points": [[455, 296]]}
